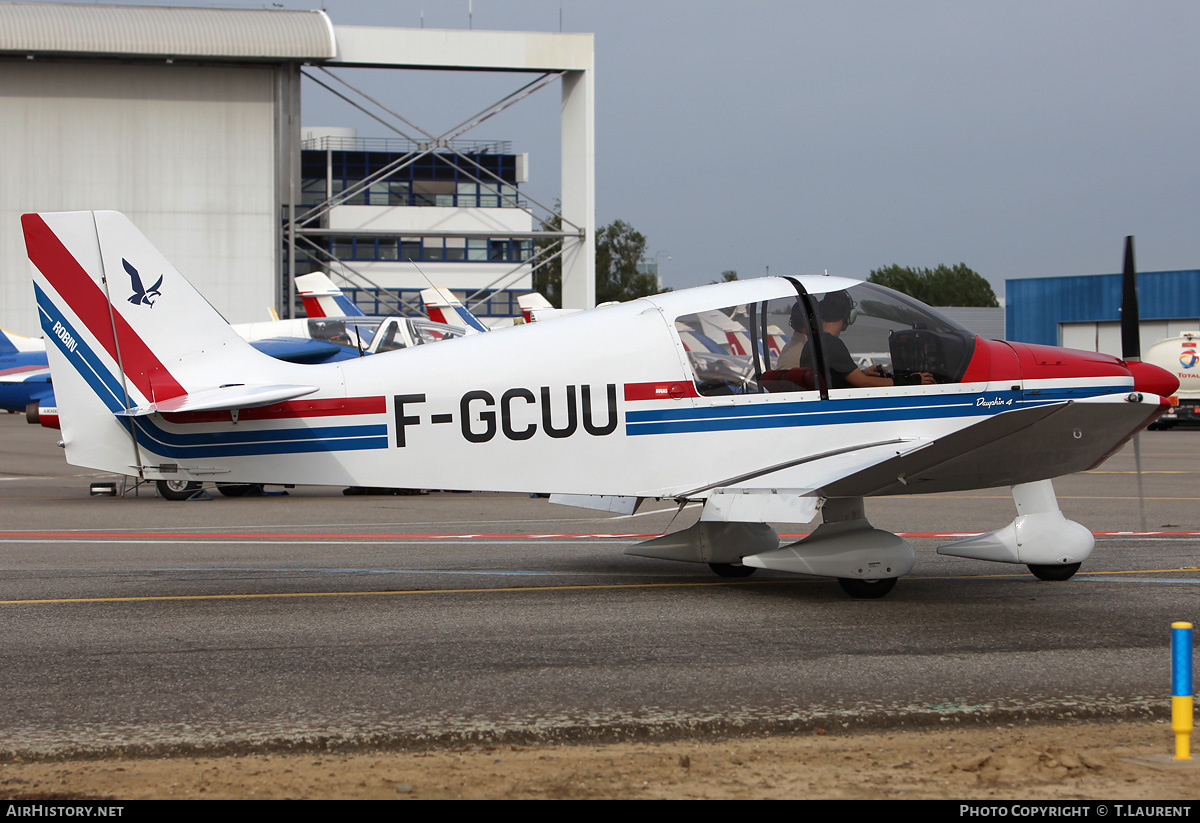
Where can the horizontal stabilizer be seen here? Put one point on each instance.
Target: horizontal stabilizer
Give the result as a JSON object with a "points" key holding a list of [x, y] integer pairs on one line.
{"points": [[224, 398], [25, 374]]}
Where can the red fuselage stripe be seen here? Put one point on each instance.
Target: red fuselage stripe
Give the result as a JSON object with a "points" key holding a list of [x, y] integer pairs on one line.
{"points": [[291, 409], [666, 390]]}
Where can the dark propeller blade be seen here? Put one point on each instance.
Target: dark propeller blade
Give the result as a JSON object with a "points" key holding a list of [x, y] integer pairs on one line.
{"points": [[1131, 349], [1131, 346]]}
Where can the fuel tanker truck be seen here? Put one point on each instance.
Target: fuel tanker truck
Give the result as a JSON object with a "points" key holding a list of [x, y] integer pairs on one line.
{"points": [[1181, 357]]}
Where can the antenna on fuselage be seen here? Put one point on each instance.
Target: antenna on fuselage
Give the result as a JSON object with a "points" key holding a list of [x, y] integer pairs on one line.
{"points": [[428, 280]]}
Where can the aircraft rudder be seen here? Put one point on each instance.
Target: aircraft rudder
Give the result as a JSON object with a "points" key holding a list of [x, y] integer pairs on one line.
{"points": [[322, 298], [111, 302]]}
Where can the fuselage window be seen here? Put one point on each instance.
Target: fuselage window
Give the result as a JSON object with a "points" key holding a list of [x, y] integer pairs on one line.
{"points": [[744, 349], [869, 337]]}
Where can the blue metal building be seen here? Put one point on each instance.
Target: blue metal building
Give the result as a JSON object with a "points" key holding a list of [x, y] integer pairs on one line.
{"points": [[1036, 307]]}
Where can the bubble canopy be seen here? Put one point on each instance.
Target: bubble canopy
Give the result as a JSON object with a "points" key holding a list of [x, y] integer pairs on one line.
{"points": [[762, 344]]}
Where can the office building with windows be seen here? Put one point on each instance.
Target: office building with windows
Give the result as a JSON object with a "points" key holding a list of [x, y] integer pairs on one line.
{"points": [[397, 217]]}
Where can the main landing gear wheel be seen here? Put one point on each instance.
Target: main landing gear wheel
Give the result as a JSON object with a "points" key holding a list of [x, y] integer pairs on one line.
{"points": [[866, 589], [1054, 572], [239, 489], [177, 489], [732, 569]]}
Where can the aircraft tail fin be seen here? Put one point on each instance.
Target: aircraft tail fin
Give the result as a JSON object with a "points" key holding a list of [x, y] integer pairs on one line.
{"points": [[443, 307], [7, 346], [535, 306], [322, 298], [129, 336]]}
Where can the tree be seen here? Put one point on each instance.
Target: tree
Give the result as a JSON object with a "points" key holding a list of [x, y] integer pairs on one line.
{"points": [[547, 278], [727, 276], [943, 286], [619, 249]]}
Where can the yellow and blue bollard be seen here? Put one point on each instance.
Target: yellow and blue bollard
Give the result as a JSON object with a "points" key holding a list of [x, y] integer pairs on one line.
{"points": [[1181, 689]]}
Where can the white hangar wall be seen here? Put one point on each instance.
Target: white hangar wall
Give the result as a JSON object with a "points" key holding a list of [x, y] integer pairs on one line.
{"points": [[188, 152]]}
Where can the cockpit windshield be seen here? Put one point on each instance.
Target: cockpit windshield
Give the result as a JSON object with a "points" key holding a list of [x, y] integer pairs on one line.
{"points": [[424, 331], [866, 331], [351, 332], [902, 336]]}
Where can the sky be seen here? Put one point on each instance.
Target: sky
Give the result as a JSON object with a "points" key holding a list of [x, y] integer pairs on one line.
{"points": [[1021, 138]]}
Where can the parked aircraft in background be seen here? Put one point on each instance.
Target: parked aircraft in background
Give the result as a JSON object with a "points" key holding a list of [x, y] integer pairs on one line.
{"points": [[321, 298], [535, 306], [20, 342], [443, 307], [604, 408], [731, 331], [330, 339], [24, 373]]}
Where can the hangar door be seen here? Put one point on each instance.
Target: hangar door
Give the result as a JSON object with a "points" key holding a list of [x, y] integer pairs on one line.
{"points": [[1105, 337]]}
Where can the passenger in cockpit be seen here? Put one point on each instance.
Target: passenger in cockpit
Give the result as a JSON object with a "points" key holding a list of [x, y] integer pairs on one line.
{"points": [[789, 356]]}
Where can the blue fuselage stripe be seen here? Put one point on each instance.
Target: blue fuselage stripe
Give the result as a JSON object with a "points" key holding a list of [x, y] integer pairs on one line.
{"points": [[847, 410]]}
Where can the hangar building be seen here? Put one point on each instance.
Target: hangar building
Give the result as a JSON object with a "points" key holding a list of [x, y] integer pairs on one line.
{"points": [[1084, 312], [188, 121]]}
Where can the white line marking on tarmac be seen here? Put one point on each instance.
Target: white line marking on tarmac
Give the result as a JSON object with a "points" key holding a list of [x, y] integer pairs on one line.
{"points": [[343, 526], [319, 542], [1139, 579]]}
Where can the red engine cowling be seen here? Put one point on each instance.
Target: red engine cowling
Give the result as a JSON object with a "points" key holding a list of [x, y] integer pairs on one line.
{"points": [[998, 360]]}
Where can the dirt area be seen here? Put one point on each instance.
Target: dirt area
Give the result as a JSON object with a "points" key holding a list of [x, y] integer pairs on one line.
{"points": [[1084, 761]]}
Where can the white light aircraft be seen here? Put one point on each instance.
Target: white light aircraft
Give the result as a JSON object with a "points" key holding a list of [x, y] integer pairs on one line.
{"points": [[443, 307], [321, 298], [535, 306], [602, 408]]}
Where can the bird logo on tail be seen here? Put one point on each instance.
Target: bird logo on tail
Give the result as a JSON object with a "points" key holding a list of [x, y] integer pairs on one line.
{"points": [[140, 293]]}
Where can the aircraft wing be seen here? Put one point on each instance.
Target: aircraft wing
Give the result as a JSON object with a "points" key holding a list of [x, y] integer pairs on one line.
{"points": [[1056, 438], [751, 497], [25, 374]]}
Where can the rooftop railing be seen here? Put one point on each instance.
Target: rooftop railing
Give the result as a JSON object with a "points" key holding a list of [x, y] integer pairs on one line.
{"points": [[399, 145]]}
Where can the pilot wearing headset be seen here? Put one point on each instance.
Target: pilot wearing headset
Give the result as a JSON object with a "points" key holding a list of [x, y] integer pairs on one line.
{"points": [[838, 311]]}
